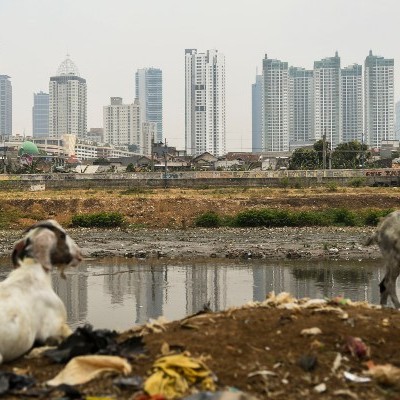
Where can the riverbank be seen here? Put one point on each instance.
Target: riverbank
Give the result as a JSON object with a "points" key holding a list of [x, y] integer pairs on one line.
{"points": [[309, 243]]}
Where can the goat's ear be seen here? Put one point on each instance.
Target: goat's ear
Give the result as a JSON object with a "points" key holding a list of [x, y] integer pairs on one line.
{"points": [[18, 252]]}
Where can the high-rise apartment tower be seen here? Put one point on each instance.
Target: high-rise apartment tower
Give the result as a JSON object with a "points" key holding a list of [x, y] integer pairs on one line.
{"points": [[327, 100], [257, 114], [148, 85], [276, 105], [40, 115], [301, 105], [67, 102], [205, 102], [379, 100], [122, 123], [5, 106], [351, 103]]}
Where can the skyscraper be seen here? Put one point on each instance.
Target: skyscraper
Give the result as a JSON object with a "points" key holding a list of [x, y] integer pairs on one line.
{"points": [[327, 100], [122, 123], [5, 106], [205, 102], [379, 100], [257, 118], [67, 102], [148, 84], [276, 105], [397, 124], [40, 115], [352, 103], [301, 105]]}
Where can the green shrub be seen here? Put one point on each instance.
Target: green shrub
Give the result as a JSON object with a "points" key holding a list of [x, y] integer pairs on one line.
{"points": [[341, 216], [98, 220], [332, 186], [209, 219], [263, 217], [357, 182], [372, 217]]}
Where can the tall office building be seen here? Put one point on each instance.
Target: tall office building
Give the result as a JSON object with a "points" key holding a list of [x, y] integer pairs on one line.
{"points": [[276, 105], [67, 102], [327, 100], [148, 84], [5, 106], [121, 123], [397, 123], [301, 105], [40, 115], [379, 100], [352, 103], [257, 117], [205, 102]]}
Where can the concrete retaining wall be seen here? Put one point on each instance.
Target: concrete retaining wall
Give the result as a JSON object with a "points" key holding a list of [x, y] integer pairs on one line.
{"points": [[202, 179]]}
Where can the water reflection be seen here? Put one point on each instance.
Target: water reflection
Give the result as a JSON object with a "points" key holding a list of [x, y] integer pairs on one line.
{"points": [[118, 293]]}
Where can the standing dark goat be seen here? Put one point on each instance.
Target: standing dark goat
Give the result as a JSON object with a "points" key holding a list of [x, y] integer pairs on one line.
{"points": [[29, 308], [387, 236]]}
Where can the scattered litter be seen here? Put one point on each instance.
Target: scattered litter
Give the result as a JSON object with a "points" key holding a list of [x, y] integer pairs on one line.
{"points": [[264, 372], [308, 362], [345, 393], [356, 378], [12, 381], [155, 325], [385, 322], [311, 332], [85, 340], [221, 395], [357, 348], [321, 388], [336, 363], [173, 375], [85, 368], [386, 374], [131, 382], [38, 352]]}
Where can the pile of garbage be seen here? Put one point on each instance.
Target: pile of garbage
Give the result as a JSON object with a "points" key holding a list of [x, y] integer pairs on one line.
{"points": [[89, 357]]}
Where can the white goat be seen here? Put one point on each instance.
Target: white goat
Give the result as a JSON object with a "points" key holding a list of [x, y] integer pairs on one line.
{"points": [[387, 236], [30, 310]]}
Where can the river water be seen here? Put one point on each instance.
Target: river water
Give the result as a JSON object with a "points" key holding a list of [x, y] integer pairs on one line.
{"points": [[119, 293]]}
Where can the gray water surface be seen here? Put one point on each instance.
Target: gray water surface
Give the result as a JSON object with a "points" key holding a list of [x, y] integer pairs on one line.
{"points": [[119, 293]]}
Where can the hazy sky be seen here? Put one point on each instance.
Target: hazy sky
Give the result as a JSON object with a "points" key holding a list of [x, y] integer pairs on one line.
{"points": [[109, 40]]}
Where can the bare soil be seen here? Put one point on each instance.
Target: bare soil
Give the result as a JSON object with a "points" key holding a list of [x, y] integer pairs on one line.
{"points": [[241, 341]]}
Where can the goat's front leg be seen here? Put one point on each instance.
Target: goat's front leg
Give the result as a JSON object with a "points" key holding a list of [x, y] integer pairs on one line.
{"points": [[383, 291]]}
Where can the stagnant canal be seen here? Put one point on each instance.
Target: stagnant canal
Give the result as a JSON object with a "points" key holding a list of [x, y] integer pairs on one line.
{"points": [[119, 293]]}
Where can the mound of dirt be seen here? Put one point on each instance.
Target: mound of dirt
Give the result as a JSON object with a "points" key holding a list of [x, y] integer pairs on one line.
{"points": [[267, 350]]}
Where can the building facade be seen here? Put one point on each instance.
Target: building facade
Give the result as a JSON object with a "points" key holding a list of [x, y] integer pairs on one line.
{"points": [[301, 105], [67, 102], [257, 115], [148, 84], [327, 100], [40, 115], [5, 106], [379, 100], [352, 103], [205, 129], [121, 123], [276, 105]]}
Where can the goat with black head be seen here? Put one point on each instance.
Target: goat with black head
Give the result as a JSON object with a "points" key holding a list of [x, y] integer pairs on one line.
{"points": [[30, 310]]}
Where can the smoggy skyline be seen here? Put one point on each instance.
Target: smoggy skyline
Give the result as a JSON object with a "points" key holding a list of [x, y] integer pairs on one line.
{"points": [[109, 41]]}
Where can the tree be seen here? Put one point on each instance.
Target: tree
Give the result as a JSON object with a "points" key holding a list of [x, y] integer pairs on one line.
{"points": [[304, 158], [350, 155]]}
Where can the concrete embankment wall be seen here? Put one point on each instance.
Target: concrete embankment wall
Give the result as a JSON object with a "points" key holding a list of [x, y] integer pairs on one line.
{"points": [[286, 178]]}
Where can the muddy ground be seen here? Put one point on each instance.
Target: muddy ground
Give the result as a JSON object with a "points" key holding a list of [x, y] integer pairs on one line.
{"points": [[240, 345]]}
